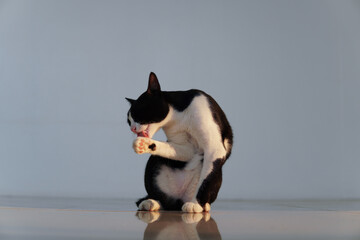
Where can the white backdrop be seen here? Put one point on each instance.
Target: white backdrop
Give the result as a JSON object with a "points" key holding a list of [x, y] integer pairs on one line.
{"points": [[287, 73]]}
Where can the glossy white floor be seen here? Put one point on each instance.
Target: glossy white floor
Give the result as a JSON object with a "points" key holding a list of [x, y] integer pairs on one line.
{"points": [[47, 218]]}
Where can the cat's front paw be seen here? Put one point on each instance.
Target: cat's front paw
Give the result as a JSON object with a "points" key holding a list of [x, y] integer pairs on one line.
{"points": [[143, 145], [192, 207], [149, 205]]}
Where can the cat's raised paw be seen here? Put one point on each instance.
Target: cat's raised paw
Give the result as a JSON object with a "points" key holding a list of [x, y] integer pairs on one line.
{"points": [[149, 205], [143, 145], [192, 207]]}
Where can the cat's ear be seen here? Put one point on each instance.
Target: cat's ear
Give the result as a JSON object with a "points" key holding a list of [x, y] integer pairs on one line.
{"points": [[131, 101], [153, 86]]}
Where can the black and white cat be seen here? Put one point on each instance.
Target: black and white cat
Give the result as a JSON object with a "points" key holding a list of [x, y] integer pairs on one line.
{"points": [[184, 173]]}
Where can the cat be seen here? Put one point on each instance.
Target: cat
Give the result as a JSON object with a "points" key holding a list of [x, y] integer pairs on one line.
{"points": [[184, 173]]}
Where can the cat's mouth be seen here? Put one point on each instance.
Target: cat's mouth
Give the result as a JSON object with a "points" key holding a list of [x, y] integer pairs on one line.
{"points": [[144, 133]]}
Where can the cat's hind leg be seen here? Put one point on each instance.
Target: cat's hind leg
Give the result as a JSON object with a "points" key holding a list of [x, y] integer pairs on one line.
{"points": [[210, 187], [206, 190]]}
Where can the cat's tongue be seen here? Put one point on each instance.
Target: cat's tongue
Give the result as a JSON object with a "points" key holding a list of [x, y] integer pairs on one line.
{"points": [[142, 134]]}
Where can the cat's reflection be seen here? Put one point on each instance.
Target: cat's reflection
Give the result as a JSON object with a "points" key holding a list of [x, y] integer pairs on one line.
{"points": [[176, 225]]}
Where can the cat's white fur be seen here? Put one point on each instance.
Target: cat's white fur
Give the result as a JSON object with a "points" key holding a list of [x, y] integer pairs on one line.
{"points": [[191, 134]]}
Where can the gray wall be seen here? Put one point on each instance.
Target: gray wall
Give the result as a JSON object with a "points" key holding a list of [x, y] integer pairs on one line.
{"points": [[287, 73]]}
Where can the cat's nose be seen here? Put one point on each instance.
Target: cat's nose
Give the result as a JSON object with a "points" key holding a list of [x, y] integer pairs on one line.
{"points": [[133, 129]]}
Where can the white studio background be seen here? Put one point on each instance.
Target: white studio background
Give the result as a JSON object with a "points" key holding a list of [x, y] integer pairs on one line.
{"points": [[287, 74]]}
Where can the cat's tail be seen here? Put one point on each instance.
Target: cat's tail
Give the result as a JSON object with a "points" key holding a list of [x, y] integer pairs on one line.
{"points": [[228, 142]]}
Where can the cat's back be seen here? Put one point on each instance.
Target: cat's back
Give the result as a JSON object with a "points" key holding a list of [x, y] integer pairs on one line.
{"points": [[181, 100]]}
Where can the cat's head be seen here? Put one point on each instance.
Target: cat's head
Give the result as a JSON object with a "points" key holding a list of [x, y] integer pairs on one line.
{"points": [[147, 113]]}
